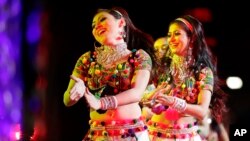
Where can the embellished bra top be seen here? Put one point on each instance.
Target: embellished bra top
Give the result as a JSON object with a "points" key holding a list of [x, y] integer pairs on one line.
{"points": [[191, 86], [103, 80]]}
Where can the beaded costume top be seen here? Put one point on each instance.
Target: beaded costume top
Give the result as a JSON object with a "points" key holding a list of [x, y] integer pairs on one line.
{"points": [[189, 87], [112, 80]]}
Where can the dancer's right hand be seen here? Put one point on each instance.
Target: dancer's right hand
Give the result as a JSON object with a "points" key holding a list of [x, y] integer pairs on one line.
{"points": [[78, 89]]}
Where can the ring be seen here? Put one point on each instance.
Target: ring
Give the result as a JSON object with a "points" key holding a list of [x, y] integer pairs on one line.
{"points": [[152, 103]]}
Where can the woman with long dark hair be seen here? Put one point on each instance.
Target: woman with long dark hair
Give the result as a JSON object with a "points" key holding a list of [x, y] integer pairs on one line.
{"points": [[188, 86]]}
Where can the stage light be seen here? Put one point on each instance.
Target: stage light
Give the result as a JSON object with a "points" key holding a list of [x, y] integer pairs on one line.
{"points": [[234, 82]]}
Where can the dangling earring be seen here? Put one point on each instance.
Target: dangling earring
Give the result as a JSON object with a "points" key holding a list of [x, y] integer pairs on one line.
{"points": [[97, 44], [123, 34], [190, 58]]}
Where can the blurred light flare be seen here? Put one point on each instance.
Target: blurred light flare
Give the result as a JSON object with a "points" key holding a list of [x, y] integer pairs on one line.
{"points": [[234, 82], [10, 70]]}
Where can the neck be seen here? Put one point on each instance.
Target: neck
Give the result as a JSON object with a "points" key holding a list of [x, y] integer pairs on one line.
{"points": [[117, 46], [114, 43], [179, 69]]}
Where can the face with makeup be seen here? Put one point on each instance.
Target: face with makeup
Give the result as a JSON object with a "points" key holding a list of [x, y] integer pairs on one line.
{"points": [[178, 39], [160, 47], [107, 30]]}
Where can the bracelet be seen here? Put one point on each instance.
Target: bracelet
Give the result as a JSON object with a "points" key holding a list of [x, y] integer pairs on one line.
{"points": [[108, 102], [179, 104]]}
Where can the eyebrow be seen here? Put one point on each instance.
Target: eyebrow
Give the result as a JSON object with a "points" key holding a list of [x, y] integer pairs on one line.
{"points": [[93, 23]]}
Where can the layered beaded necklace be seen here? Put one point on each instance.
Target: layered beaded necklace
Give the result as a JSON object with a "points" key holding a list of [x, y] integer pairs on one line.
{"points": [[179, 69], [109, 56], [181, 78]]}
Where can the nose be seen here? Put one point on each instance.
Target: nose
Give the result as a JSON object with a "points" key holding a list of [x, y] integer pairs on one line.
{"points": [[98, 25], [96, 28], [171, 38]]}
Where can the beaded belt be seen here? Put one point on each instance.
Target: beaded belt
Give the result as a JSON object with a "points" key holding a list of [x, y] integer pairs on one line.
{"points": [[173, 131], [123, 128]]}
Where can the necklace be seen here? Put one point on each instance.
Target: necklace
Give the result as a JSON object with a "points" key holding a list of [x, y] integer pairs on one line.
{"points": [[109, 56], [179, 69]]}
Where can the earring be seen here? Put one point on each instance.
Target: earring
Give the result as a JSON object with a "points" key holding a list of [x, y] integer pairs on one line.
{"points": [[123, 34], [190, 58]]}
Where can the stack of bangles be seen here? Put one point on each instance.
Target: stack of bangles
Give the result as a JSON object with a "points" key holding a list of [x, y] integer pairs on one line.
{"points": [[108, 102], [178, 104]]}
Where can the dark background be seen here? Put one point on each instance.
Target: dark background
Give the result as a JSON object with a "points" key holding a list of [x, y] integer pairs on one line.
{"points": [[69, 24]]}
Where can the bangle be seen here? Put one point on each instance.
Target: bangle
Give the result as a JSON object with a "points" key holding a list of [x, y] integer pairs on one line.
{"points": [[179, 104], [108, 102]]}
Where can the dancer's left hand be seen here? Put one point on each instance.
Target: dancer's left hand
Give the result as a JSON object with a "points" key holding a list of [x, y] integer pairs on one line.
{"points": [[92, 100]]}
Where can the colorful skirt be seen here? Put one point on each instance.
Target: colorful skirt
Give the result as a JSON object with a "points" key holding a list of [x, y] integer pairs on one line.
{"points": [[177, 132], [117, 130]]}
